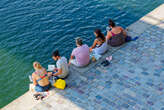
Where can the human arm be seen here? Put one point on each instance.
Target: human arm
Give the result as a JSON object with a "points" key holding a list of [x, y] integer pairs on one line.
{"points": [[108, 36], [34, 79], [72, 56], [58, 73], [59, 65], [49, 74], [93, 45], [124, 32]]}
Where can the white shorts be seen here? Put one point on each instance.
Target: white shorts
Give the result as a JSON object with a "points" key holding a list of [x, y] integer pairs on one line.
{"points": [[74, 62]]}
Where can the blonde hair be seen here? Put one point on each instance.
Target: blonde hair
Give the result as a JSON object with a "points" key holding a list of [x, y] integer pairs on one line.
{"points": [[37, 65]]}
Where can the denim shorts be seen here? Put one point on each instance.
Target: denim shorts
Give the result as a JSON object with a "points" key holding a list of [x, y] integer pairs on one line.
{"points": [[39, 88]]}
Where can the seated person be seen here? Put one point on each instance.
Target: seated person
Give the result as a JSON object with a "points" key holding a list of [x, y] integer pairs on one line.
{"points": [[40, 78], [99, 46], [81, 54], [62, 66], [116, 36]]}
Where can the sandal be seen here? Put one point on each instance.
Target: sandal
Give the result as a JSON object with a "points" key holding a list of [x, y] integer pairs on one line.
{"points": [[36, 96], [109, 58], [105, 63], [41, 97]]}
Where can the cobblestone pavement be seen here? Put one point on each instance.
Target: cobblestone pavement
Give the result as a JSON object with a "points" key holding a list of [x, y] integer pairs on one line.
{"points": [[133, 81]]}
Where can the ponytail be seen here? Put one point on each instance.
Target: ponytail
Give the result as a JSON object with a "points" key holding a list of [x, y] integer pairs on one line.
{"points": [[111, 23], [100, 35]]}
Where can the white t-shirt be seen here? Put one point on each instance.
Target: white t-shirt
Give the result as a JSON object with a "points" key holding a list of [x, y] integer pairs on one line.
{"points": [[101, 50], [62, 64]]}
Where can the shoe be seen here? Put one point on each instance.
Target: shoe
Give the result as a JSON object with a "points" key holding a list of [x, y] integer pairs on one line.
{"points": [[105, 63], [134, 39], [109, 58], [37, 96]]}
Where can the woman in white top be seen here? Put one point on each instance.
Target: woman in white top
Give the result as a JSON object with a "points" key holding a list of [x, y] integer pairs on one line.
{"points": [[99, 45]]}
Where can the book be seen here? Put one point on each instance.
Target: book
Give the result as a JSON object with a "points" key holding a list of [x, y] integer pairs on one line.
{"points": [[51, 67]]}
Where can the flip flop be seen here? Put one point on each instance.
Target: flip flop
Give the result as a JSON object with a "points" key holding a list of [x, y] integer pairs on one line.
{"points": [[105, 63], [41, 98], [134, 39], [36, 96], [109, 58], [44, 94]]}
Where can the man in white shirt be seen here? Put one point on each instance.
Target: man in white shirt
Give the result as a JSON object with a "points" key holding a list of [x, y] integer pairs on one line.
{"points": [[62, 65]]}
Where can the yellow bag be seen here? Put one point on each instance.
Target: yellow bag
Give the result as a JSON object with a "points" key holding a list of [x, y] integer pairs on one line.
{"points": [[60, 84]]}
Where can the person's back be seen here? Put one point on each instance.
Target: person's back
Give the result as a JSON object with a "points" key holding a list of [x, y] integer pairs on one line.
{"points": [[82, 54], [62, 63], [116, 36], [99, 45], [41, 77], [102, 49]]}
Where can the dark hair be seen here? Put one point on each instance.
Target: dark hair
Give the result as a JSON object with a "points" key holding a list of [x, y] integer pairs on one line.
{"points": [[55, 53], [99, 34], [111, 23], [79, 41]]}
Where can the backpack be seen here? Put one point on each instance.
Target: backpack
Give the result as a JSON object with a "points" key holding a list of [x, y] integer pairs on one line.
{"points": [[60, 84]]}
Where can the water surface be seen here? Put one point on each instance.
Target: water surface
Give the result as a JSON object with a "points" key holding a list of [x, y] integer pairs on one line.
{"points": [[31, 29]]}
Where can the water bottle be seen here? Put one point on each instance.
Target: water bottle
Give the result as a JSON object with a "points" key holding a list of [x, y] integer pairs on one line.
{"points": [[30, 78]]}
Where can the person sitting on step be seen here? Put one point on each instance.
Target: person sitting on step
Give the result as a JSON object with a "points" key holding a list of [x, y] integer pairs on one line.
{"points": [[99, 46], [40, 78], [62, 70], [80, 55], [116, 36]]}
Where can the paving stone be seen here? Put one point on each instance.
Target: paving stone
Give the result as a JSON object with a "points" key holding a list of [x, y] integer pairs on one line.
{"points": [[125, 105]]}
